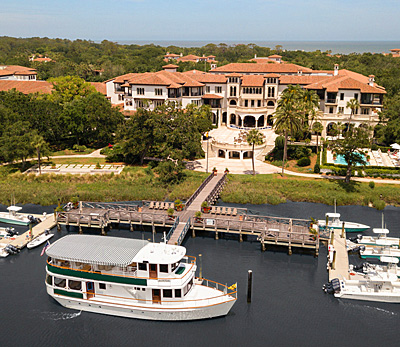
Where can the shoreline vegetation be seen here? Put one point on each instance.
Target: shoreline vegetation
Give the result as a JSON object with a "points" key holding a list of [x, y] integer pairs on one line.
{"points": [[141, 183]]}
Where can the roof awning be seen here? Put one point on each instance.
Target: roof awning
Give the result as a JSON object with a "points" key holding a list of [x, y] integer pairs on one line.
{"points": [[211, 96]]}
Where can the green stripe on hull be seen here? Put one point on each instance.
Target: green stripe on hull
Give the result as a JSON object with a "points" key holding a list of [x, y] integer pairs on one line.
{"points": [[97, 276], [378, 256], [347, 230], [66, 293], [12, 221]]}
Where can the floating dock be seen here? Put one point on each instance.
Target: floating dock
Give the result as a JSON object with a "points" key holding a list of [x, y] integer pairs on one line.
{"points": [[339, 268]]}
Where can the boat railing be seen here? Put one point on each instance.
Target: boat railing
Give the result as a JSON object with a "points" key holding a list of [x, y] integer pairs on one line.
{"points": [[231, 291]]}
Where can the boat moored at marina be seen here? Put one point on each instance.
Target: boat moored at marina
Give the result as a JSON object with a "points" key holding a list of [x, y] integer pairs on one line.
{"points": [[13, 217], [40, 239], [381, 249], [332, 221], [379, 240], [132, 278]]}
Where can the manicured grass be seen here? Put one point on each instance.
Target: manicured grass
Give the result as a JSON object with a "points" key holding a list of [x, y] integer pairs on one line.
{"points": [[72, 152], [273, 189], [81, 161]]}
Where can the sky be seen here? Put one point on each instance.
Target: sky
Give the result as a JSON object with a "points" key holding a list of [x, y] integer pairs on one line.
{"points": [[206, 20]]}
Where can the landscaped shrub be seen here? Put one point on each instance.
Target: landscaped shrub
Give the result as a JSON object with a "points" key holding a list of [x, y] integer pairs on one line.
{"points": [[280, 142], [317, 169], [372, 184], [304, 161]]}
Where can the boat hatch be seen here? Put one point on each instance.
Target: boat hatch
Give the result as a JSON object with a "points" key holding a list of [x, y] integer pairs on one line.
{"points": [[153, 271], [380, 231], [180, 269]]}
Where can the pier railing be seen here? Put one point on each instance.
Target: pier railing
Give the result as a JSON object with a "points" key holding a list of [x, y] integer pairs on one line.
{"points": [[216, 190], [183, 233], [171, 231], [198, 190], [110, 205]]}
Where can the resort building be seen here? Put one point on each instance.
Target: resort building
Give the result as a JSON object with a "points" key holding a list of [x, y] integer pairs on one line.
{"points": [[245, 95], [15, 72]]}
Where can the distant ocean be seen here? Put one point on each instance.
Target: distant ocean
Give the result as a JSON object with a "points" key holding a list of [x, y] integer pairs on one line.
{"points": [[344, 47]]}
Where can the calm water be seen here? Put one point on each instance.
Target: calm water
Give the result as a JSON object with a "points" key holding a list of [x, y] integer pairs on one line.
{"points": [[340, 160], [288, 309], [344, 47]]}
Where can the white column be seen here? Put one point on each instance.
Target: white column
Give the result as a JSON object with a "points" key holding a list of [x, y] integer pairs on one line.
{"points": [[226, 154], [241, 155]]}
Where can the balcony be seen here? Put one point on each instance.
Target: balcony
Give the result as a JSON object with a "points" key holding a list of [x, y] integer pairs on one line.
{"points": [[331, 101]]}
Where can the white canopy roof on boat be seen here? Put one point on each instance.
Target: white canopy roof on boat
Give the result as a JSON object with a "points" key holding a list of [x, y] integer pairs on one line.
{"points": [[14, 208], [380, 231], [395, 146], [332, 215], [385, 259], [93, 249]]}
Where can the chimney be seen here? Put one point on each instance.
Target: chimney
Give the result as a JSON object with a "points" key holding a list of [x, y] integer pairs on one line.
{"points": [[255, 56], [336, 70], [181, 54], [371, 80]]}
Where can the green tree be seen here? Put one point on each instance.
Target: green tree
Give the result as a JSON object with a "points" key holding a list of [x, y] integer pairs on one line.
{"points": [[41, 147], [317, 128], [353, 105], [69, 88], [351, 148], [254, 137], [288, 116]]}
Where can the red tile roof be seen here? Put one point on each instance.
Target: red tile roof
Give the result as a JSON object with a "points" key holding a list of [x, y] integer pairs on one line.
{"points": [[100, 87], [40, 60], [253, 80], [301, 79], [9, 70], [261, 68], [211, 96], [170, 66], [275, 56], [204, 77], [26, 87]]}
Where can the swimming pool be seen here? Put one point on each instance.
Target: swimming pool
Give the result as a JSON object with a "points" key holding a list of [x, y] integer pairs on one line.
{"points": [[340, 160]]}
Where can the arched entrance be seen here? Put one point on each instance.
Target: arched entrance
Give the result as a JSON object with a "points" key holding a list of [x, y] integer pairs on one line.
{"points": [[270, 104], [232, 103], [261, 121], [215, 119], [233, 119], [221, 153], [224, 117], [234, 155], [331, 129], [248, 155], [249, 122]]}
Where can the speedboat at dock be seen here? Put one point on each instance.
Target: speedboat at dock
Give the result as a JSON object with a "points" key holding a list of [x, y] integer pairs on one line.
{"points": [[332, 221]]}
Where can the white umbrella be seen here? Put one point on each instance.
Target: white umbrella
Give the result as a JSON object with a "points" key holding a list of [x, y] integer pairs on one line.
{"points": [[395, 146]]}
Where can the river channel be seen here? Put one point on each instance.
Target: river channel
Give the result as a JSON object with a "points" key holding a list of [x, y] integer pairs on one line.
{"points": [[288, 305]]}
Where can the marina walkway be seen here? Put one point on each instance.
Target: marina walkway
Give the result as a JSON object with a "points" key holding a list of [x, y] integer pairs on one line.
{"points": [[340, 265], [184, 218]]}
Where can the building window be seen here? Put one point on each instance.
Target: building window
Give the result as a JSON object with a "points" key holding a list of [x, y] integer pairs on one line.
{"points": [[219, 90], [356, 96], [246, 103], [120, 97], [341, 96], [163, 268], [271, 92], [341, 110], [140, 91], [258, 103], [157, 103], [167, 293], [233, 91], [60, 282], [158, 91], [75, 285], [128, 102], [252, 103], [178, 293], [196, 102], [330, 109], [140, 103], [207, 89], [102, 286], [365, 111]]}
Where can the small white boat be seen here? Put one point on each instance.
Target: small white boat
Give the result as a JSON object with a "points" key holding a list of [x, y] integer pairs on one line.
{"points": [[376, 269], [13, 217], [39, 240], [373, 285], [379, 240], [381, 249], [3, 252], [332, 221]]}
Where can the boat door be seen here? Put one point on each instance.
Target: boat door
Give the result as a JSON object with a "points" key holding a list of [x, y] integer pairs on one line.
{"points": [[156, 296], [90, 290], [153, 271]]}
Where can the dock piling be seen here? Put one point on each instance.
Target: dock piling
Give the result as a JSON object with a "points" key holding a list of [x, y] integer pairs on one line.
{"points": [[342, 236], [249, 285], [201, 266]]}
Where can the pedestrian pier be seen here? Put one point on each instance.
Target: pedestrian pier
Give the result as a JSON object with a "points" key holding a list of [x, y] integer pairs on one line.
{"points": [[339, 267], [269, 231]]}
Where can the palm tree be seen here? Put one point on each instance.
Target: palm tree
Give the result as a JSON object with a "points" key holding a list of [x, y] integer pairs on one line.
{"points": [[288, 116], [309, 102], [353, 105], [40, 145], [254, 137], [317, 127]]}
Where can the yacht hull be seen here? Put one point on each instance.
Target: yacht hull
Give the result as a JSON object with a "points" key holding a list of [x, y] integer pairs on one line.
{"points": [[370, 297], [12, 221], [143, 312]]}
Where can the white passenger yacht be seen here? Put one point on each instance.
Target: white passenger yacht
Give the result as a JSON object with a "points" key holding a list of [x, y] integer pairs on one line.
{"points": [[132, 278]]}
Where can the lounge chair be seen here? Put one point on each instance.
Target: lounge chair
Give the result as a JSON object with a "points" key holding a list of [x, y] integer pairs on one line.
{"points": [[234, 212], [223, 210], [228, 211], [161, 205], [213, 208], [151, 204], [167, 204], [218, 210], [172, 205], [157, 205]]}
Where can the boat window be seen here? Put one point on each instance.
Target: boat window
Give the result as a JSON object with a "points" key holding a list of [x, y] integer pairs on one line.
{"points": [[143, 266], [178, 293], [163, 268], [75, 285], [167, 293], [190, 284], [49, 279], [174, 266], [102, 286], [60, 282]]}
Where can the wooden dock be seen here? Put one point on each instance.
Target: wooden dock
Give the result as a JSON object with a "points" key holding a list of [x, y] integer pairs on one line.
{"points": [[23, 239], [339, 268]]}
